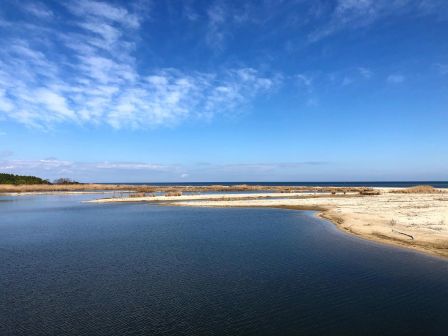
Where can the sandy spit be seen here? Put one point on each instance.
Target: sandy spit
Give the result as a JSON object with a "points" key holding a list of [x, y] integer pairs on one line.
{"points": [[211, 197]]}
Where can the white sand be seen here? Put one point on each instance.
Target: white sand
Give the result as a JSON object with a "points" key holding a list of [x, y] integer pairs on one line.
{"points": [[221, 196]]}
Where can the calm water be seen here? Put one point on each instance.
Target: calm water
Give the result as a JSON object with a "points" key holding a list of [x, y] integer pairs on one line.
{"points": [[390, 184], [70, 268]]}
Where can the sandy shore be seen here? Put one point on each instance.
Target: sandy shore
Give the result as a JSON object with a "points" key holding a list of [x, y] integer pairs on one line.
{"points": [[418, 221], [214, 197]]}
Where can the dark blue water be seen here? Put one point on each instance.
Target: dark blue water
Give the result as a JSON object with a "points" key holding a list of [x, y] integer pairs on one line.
{"points": [[70, 268], [391, 184]]}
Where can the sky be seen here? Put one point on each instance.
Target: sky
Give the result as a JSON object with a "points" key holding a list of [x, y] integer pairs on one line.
{"points": [[220, 90]]}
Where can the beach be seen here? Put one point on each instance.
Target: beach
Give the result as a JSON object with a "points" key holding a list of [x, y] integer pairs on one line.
{"points": [[415, 220]]}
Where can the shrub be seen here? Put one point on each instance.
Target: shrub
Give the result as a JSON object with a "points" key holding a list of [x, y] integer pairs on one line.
{"points": [[173, 193], [64, 180], [140, 194], [369, 192], [420, 189]]}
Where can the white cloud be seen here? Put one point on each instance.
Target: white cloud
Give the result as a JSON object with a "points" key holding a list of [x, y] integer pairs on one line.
{"points": [[88, 73], [129, 166], [144, 171], [5, 103], [29, 165], [306, 83], [305, 80], [53, 102], [106, 32], [348, 14], [38, 9], [442, 68], [395, 79], [54, 168], [102, 10], [365, 72], [355, 14], [217, 18], [189, 12]]}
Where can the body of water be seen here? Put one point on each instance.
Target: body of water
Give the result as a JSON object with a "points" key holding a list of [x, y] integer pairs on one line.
{"points": [[390, 184], [72, 268]]}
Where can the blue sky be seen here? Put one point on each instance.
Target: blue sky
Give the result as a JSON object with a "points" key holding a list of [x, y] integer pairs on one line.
{"points": [[150, 91]]}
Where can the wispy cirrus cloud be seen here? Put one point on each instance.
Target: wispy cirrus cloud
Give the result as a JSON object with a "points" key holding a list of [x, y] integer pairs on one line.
{"points": [[89, 74], [355, 14], [311, 83], [395, 78], [94, 10], [442, 68], [53, 168], [110, 171], [306, 85], [348, 14], [38, 9], [57, 165], [365, 72], [217, 16]]}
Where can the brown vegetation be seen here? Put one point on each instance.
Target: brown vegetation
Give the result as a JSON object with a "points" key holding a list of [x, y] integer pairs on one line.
{"points": [[173, 193], [137, 194], [174, 189], [369, 192], [420, 189]]}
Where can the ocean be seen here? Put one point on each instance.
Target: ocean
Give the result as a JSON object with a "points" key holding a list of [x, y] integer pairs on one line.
{"points": [[390, 184]]}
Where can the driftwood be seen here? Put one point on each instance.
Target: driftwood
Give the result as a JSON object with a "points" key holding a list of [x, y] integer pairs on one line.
{"points": [[405, 234], [369, 192]]}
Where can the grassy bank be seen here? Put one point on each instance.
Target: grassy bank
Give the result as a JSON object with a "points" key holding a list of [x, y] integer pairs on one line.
{"points": [[171, 189]]}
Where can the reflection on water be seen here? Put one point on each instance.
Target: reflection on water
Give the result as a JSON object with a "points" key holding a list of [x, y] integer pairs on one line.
{"points": [[71, 268]]}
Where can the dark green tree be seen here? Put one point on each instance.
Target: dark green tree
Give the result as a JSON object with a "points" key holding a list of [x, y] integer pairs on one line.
{"points": [[21, 179]]}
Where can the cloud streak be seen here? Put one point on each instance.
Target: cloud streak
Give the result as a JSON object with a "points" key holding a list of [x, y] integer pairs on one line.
{"points": [[442, 68], [39, 10], [89, 74], [355, 14], [152, 172], [396, 79]]}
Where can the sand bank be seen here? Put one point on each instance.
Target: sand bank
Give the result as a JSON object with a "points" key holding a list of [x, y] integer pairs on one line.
{"points": [[418, 221], [214, 197]]}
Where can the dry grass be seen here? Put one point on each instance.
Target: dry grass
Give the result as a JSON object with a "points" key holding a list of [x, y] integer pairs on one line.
{"points": [[370, 192], [175, 189], [420, 189], [138, 194], [173, 193]]}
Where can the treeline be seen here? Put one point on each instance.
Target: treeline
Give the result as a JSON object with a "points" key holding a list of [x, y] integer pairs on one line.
{"points": [[22, 179]]}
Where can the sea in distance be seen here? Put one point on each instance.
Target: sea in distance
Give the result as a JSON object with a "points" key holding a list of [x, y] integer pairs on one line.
{"points": [[74, 268], [387, 184]]}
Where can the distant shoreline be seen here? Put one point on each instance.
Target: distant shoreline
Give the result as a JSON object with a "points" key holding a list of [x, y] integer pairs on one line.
{"points": [[378, 184], [213, 186], [4, 188]]}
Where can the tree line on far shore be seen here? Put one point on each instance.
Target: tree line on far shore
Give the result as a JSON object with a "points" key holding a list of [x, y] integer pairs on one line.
{"points": [[24, 179]]}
